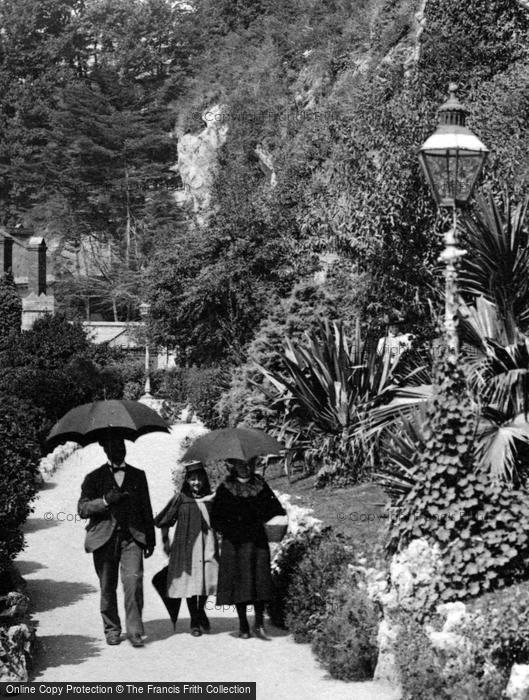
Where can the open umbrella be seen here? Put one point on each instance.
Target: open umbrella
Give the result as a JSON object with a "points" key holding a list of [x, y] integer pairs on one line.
{"points": [[94, 421], [232, 443]]}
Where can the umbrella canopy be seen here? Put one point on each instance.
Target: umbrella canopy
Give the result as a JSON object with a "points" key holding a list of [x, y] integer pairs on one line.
{"points": [[98, 420], [232, 443]]}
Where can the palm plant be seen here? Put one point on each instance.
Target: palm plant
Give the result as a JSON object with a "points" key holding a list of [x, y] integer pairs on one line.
{"points": [[497, 265], [324, 390], [498, 376], [400, 446], [494, 281]]}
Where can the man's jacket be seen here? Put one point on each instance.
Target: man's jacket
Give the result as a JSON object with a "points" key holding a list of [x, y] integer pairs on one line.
{"points": [[133, 513]]}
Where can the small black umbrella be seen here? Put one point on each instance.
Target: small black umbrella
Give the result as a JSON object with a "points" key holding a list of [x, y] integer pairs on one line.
{"points": [[232, 443], [98, 420]]}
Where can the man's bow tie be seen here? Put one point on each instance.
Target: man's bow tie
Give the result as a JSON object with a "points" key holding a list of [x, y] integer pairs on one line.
{"points": [[118, 469]]}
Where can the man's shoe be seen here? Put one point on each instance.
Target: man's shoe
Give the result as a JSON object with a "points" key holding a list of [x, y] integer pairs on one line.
{"points": [[244, 634], [136, 640], [195, 632], [113, 639]]}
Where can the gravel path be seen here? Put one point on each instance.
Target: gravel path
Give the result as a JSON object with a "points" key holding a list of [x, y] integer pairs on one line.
{"points": [[64, 591]]}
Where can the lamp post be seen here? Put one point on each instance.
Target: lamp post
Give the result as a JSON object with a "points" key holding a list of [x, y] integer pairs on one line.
{"points": [[144, 313], [452, 159]]}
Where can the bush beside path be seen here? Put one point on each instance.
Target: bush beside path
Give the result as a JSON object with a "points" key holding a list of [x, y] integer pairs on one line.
{"points": [[65, 596]]}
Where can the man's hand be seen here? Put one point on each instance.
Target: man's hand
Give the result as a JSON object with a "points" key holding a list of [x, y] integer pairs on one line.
{"points": [[115, 496], [167, 547], [147, 552]]}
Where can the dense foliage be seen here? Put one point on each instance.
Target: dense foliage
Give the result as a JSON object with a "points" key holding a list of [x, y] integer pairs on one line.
{"points": [[54, 367], [427, 674], [345, 642], [11, 305], [339, 94], [309, 590], [306, 307], [479, 524], [19, 455], [493, 638]]}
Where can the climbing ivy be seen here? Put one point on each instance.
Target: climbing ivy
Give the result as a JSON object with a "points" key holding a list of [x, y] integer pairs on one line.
{"points": [[479, 524]]}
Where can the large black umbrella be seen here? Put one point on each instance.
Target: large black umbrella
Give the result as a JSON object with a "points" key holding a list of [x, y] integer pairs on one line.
{"points": [[98, 420], [232, 443]]}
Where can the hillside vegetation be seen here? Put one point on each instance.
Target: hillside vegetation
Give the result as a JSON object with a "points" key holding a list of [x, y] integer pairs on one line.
{"points": [[339, 93]]}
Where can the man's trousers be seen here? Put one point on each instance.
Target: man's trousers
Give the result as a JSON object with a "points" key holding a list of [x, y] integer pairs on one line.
{"points": [[121, 554]]}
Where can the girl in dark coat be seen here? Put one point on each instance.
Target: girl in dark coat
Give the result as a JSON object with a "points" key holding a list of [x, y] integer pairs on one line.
{"points": [[243, 503], [193, 555]]}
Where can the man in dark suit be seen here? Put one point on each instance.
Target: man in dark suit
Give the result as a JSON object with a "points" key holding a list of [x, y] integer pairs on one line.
{"points": [[119, 534]]}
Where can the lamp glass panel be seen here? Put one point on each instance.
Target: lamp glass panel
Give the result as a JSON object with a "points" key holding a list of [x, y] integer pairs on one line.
{"points": [[452, 174], [441, 170], [468, 169]]}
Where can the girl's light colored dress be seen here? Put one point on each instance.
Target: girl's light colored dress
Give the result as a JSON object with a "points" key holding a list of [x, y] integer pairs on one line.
{"points": [[193, 560]]}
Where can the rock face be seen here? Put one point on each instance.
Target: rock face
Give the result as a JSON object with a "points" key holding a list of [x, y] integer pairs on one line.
{"points": [[412, 575], [197, 162], [16, 637], [15, 647]]}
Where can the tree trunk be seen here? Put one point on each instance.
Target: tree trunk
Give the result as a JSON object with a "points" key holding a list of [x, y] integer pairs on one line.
{"points": [[128, 224]]}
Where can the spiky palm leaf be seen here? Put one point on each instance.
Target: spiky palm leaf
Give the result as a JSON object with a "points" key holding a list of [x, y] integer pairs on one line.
{"points": [[400, 448], [497, 267], [499, 442], [329, 380], [498, 375]]}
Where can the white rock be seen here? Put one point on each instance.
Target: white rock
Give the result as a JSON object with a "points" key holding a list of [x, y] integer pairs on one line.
{"points": [[387, 669], [455, 614], [267, 164], [518, 686], [198, 161], [448, 642]]}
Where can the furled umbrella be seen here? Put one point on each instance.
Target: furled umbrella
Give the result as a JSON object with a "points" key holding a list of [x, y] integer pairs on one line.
{"points": [[232, 443], [100, 420]]}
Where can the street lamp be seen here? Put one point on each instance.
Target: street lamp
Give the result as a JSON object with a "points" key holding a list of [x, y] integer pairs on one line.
{"points": [[452, 159], [144, 313]]}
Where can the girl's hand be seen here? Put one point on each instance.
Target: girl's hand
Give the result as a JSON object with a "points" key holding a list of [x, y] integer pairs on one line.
{"points": [[167, 547]]}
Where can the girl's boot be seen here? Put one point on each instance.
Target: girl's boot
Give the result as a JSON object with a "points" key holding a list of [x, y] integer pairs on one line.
{"points": [[244, 627]]}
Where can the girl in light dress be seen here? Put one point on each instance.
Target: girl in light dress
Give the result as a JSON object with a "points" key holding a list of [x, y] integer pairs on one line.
{"points": [[192, 569]]}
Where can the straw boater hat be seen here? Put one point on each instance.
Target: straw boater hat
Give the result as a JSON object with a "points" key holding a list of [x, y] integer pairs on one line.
{"points": [[193, 467]]}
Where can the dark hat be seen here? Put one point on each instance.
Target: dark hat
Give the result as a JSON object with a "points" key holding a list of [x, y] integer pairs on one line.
{"points": [[193, 467]]}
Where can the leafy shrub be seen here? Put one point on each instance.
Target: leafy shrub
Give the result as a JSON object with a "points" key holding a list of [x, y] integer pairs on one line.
{"points": [[130, 374], [429, 675], [345, 641], [19, 457], [293, 549], [198, 387], [204, 385], [320, 567], [55, 367], [500, 626], [479, 523], [420, 669], [303, 310]]}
